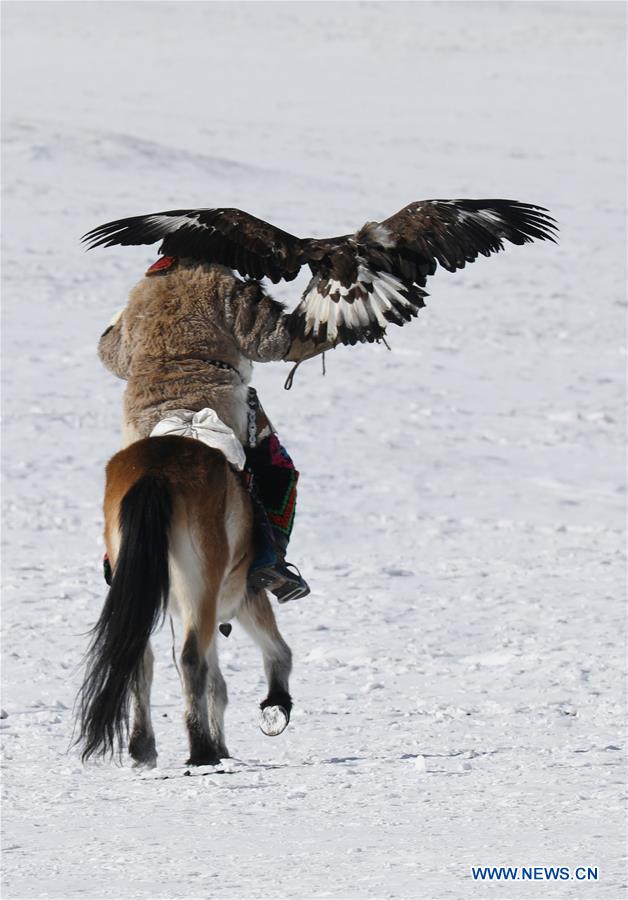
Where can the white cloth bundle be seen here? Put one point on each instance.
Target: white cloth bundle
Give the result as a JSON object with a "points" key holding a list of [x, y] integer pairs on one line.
{"points": [[204, 426]]}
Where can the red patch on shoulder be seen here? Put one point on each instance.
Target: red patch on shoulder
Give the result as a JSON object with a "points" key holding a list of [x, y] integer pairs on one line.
{"points": [[162, 265]]}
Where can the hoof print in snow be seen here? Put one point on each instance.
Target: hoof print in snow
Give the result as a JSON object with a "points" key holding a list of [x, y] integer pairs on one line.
{"points": [[273, 720]]}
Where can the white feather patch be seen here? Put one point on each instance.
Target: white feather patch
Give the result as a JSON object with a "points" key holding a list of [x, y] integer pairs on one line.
{"points": [[332, 323], [480, 216], [378, 234], [172, 223], [333, 308]]}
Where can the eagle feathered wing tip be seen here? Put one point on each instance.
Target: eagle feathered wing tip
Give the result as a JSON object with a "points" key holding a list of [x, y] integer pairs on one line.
{"points": [[135, 230]]}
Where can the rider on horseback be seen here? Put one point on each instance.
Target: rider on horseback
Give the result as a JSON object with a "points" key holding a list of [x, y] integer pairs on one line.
{"points": [[186, 341]]}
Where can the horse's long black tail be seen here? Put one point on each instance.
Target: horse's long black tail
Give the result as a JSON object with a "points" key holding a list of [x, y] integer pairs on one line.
{"points": [[136, 600]]}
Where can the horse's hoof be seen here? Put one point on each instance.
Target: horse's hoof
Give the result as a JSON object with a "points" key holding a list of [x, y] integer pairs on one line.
{"points": [[203, 761], [273, 720], [149, 763]]}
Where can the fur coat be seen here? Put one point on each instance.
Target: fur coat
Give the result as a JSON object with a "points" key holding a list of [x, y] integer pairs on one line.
{"points": [[173, 324]]}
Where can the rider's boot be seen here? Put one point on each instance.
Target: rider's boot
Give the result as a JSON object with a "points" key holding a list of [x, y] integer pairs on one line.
{"points": [[293, 585], [269, 569]]}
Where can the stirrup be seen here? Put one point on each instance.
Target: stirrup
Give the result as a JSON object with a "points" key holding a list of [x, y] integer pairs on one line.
{"points": [[294, 587], [281, 581]]}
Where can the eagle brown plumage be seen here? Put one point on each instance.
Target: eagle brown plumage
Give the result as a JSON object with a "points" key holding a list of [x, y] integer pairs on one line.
{"points": [[361, 282]]}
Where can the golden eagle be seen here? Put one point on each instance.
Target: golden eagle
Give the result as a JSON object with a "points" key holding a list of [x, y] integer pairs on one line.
{"points": [[361, 282]]}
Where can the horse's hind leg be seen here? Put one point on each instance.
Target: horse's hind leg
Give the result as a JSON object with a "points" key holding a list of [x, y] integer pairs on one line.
{"points": [[142, 741], [216, 700], [199, 665], [257, 618]]}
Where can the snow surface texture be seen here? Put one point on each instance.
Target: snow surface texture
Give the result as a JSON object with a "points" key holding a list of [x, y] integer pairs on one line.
{"points": [[458, 666]]}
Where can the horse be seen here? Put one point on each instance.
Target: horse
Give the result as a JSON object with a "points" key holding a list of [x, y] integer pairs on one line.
{"points": [[178, 533]]}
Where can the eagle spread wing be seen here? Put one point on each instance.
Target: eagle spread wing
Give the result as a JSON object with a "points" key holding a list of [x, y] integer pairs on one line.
{"points": [[361, 282], [377, 276], [230, 237]]}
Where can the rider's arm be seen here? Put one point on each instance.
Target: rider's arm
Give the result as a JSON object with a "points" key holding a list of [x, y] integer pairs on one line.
{"points": [[260, 326], [258, 323], [113, 346]]}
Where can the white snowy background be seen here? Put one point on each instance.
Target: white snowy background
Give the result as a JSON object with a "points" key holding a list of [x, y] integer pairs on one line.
{"points": [[459, 664]]}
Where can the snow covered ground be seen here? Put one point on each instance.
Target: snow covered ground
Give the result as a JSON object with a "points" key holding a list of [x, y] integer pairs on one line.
{"points": [[458, 667]]}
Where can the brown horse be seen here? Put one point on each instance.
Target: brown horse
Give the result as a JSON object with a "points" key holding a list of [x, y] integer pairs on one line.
{"points": [[178, 531]]}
